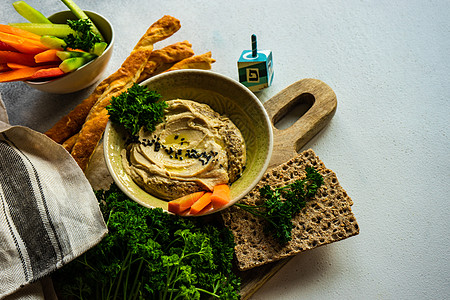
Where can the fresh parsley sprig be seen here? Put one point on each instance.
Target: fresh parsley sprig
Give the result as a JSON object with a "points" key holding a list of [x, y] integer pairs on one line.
{"points": [[150, 254], [137, 107], [281, 204], [85, 38]]}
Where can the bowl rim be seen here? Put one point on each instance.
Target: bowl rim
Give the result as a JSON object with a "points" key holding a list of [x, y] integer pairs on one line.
{"points": [[72, 74], [256, 100]]}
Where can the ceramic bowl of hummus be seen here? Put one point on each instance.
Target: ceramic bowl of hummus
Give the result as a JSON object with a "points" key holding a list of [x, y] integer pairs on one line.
{"points": [[215, 131]]}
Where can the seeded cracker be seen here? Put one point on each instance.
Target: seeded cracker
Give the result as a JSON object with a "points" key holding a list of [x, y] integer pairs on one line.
{"points": [[326, 218]]}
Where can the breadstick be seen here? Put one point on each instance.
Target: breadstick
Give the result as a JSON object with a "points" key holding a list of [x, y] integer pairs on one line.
{"points": [[68, 144], [128, 74], [202, 61], [71, 124]]}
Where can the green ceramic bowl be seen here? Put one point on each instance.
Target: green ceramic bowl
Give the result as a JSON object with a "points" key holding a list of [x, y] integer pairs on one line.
{"points": [[224, 95]]}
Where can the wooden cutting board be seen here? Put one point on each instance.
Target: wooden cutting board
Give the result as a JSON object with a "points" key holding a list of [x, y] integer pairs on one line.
{"points": [[287, 143]]}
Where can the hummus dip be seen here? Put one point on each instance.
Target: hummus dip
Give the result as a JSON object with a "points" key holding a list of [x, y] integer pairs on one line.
{"points": [[194, 149]]}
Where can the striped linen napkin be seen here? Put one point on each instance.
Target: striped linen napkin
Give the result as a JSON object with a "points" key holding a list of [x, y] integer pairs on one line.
{"points": [[49, 214]]}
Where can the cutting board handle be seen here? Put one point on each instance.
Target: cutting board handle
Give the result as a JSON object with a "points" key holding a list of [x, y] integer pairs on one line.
{"points": [[289, 141]]}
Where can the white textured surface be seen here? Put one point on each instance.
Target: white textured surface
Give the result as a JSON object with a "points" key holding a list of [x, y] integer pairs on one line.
{"points": [[388, 62]]}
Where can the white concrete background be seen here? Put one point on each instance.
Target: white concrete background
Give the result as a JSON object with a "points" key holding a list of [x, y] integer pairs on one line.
{"points": [[388, 63]]}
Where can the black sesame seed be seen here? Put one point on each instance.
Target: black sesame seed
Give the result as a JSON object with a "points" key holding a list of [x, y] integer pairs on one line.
{"points": [[176, 137], [182, 139]]}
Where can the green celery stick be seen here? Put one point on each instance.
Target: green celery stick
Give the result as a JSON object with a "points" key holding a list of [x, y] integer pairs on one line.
{"points": [[63, 55], [99, 48], [58, 30], [29, 13], [53, 42], [80, 14], [73, 63]]}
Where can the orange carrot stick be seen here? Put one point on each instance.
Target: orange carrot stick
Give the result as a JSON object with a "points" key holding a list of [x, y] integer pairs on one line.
{"points": [[19, 74], [20, 32], [207, 208], [47, 73], [16, 66], [220, 195], [181, 204], [17, 57], [47, 56], [6, 47], [200, 203], [22, 44]]}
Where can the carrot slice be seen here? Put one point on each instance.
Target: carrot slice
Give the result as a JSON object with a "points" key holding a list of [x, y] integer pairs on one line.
{"points": [[20, 32], [47, 56], [17, 57], [220, 195], [200, 203], [181, 204], [19, 74], [47, 73], [22, 44]]}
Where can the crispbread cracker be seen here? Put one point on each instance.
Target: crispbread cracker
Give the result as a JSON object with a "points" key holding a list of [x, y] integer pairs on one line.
{"points": [[326, 218]]}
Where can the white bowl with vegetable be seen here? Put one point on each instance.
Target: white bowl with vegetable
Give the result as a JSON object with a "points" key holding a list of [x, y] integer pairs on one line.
{"points": [[186, 92], [86, 72]]}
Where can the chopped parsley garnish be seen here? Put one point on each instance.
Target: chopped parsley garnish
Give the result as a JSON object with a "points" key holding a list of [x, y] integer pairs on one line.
{"points": [[281, 204], [84, 38], [137, 107], [150, 254]]}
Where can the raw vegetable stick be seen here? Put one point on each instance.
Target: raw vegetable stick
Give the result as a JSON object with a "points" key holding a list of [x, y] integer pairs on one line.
{"points": [[19, 74], [20, 32], [183, 203], [220, 195], [58, 30], [16, 57], [30, 13], [80, 14], [47, 56], [72, 123], [22, 44], [200, 204], [125, 77]]}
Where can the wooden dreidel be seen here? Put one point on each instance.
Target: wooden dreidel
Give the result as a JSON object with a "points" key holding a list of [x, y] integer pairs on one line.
{"points": [[255, 68]]}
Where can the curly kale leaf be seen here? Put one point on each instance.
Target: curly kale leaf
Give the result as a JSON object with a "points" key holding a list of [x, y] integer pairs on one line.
{"points": [[137, 107]]}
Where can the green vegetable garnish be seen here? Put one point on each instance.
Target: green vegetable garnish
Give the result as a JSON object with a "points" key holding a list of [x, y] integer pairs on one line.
{"points": [[85, 38], [149, 254], [283, 203], [137, 107]]}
